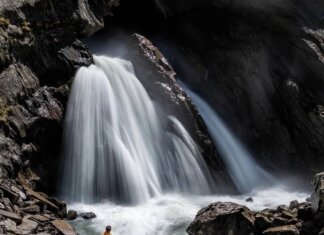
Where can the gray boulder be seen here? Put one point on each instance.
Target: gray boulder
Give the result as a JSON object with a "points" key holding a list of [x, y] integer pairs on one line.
{"points": [[223, 218]]}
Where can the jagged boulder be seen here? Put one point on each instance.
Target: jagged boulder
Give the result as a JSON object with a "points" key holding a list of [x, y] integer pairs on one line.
{"points": [[223, 218], [72, 215]]}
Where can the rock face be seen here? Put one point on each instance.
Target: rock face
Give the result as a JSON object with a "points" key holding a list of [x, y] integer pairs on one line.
{"points": [[159, 79], [223, 218], [317, 197], [39, 54], [265, 58]]}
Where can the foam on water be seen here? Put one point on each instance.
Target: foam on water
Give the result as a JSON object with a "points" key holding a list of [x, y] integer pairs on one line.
{"points": [[171, 213]]}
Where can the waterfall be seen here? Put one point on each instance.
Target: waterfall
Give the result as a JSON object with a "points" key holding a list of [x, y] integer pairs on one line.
{"points": [[117, 146], [245, 172]]}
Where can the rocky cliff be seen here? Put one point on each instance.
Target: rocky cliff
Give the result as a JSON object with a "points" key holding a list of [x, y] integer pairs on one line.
{"points": [[39, 53], [260, 64]]}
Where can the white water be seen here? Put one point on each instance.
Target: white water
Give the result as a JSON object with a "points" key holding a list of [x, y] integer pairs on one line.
{"points": [[245, 172], [116, 145], [169, 214], [118, 148]]}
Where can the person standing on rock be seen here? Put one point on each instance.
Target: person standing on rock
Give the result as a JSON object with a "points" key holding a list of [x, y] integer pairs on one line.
{"points": [[108, 230]]}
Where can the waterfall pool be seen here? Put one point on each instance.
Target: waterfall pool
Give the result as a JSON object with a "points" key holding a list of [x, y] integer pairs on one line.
{"points": [[171, 213]]}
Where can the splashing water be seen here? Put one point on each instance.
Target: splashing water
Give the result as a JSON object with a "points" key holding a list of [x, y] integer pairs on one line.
{"points": [[116, 145], [245, 172], [170, 213]]}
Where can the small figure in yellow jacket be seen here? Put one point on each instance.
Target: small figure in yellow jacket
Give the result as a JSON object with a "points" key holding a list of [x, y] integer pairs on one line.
{"points": [[108, 230]]}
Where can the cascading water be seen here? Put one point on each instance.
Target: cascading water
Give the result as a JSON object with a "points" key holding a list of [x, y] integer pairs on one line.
{"points": [[116, 145], [245, 172]]}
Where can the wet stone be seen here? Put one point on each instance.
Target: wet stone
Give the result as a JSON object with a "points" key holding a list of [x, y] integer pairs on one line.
{"points": [[72, 215], [88, 215]]}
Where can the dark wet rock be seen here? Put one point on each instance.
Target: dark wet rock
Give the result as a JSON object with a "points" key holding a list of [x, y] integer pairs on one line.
{"points": [[280, 221], [223, 218], [159, 78], [309, 228], [262, 221], [305, 211], [250, 199], [282, 230], [88, 215], [72, 215], [265, 58]]}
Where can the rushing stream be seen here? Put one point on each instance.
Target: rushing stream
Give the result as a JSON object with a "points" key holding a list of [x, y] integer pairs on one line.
{"points": [[169, 214], [138, 169]]}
